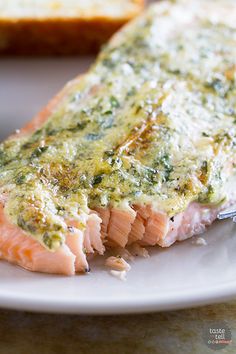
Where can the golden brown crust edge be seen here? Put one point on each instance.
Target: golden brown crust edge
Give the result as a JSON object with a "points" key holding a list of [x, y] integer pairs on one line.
{"points": [[57, 36]]}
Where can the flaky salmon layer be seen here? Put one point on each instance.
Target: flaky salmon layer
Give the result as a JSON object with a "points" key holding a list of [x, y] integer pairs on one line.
{"points": [[120, 228], [137, 151]]}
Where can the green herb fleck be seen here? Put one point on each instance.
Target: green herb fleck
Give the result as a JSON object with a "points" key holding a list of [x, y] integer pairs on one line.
{"points": [[205, 135], [114, 102], [39, 151], [98, 179], [20, 179]]}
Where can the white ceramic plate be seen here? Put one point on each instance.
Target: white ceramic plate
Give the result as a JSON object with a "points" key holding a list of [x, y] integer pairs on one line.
{"points": [[181, 276]]}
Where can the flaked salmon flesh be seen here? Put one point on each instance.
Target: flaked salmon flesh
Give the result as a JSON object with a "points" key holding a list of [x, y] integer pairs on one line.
{"points": [[140, 222]]}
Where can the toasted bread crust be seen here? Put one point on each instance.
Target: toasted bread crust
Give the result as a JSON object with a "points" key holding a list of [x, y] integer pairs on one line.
{"points": [[58, 36]]}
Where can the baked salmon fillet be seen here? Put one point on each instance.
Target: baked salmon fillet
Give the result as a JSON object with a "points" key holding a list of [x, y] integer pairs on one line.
{"points": [[139, 150]]}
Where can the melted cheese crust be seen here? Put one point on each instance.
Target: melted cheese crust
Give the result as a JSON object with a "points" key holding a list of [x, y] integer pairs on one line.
{"points": [[153, 122]]}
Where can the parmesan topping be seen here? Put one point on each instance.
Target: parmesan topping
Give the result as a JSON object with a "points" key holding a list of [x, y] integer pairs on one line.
{"points": [[153, 122]]}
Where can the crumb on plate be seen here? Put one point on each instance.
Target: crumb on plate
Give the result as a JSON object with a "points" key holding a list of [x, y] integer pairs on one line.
{"points": [[199, 241], [119, 274], [117, 263]]}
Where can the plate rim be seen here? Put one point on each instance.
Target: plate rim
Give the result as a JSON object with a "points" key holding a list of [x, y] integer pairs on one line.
{"points": [[186, 298], [144, 304]]}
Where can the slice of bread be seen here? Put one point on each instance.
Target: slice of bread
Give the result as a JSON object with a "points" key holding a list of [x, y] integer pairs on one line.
{"points": [[61, 27]]}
